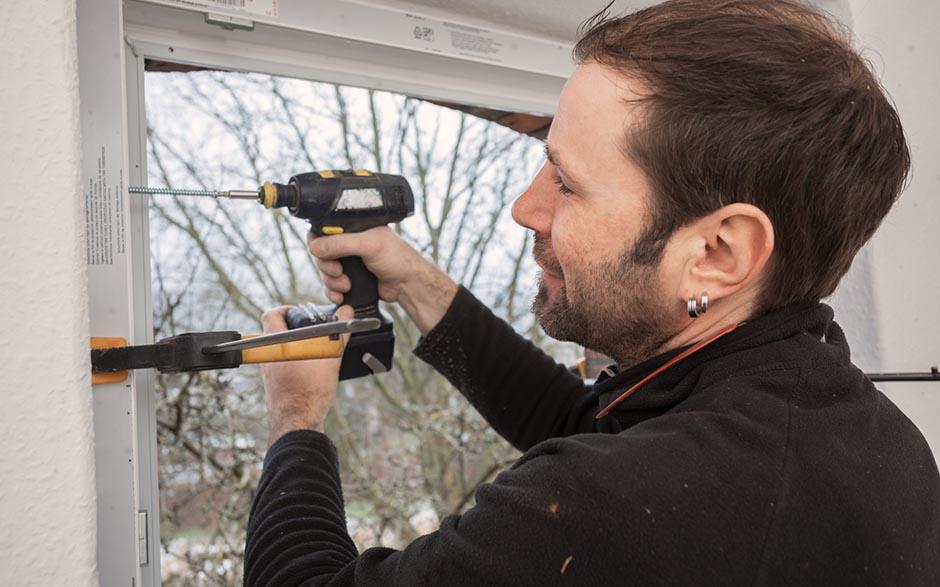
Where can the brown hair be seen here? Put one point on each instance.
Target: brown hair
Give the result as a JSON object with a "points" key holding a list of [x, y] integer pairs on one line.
{"points": [[763, 102]]}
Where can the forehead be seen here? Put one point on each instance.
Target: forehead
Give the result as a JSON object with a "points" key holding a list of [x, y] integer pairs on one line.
{"points": [[596, 109]]}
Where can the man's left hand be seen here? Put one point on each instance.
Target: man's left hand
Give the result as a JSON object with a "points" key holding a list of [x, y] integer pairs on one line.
{"points": [[299, 393]]}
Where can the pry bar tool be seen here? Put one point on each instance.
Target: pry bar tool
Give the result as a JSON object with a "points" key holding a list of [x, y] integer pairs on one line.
{"points": [[336, 201], [200, 351]]}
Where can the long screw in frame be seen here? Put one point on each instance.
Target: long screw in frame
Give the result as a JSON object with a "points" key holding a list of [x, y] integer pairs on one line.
{"points": [[236, 194]]}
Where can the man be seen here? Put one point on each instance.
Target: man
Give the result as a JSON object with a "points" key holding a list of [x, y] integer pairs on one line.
{"points": [[713, 167]]}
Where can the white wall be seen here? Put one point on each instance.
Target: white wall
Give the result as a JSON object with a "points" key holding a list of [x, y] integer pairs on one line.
{"points": [[47, 494], [893, 320]]}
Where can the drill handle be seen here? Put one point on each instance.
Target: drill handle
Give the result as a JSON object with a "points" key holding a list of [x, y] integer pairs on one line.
{"points": [[363, 296]]}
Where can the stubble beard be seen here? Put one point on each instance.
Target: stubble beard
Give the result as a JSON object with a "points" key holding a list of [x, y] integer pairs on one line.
{"points": [[613, 309]]}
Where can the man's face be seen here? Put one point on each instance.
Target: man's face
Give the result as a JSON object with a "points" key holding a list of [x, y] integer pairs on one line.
{"points": [[589, 207]]}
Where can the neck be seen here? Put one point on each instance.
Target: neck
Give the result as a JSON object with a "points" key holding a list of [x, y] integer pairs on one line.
{"points": [[719, 317], [692, 330]]}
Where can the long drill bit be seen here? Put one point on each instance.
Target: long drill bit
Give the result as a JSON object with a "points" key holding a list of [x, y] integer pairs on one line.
{"points": [[236, 194]]}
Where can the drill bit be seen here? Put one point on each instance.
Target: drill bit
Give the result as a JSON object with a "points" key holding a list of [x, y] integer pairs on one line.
{"points": [[236, 194]]}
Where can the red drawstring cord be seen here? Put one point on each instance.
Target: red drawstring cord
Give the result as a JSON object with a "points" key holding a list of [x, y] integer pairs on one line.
{"points": [[684, 354]]}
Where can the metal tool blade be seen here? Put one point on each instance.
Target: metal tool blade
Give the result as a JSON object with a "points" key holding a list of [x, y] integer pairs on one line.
{"points": [[374, 364], [315, 331]]}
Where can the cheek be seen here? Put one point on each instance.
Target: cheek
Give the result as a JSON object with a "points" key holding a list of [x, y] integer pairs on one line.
{"points": [[571, 242], [583, 240]]}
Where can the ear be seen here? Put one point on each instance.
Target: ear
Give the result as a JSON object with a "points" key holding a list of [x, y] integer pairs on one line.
{"points": [[728, 254]]}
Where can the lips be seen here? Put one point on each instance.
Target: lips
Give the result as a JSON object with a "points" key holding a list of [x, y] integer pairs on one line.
{"points": [[548, 272], [546, 261]]}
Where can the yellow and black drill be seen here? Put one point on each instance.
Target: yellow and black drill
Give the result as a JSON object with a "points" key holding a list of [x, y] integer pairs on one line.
{"points": [[334, 202]]}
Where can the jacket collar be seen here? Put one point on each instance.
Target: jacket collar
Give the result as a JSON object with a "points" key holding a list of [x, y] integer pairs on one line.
{"points": [[674, 385]]}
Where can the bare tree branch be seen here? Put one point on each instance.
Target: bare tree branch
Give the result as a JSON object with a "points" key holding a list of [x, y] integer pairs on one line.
{"points": [[408, 443]]}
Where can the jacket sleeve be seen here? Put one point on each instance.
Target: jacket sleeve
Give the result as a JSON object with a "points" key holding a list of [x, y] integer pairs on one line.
{"points": [[522, 392], [527, 527]]}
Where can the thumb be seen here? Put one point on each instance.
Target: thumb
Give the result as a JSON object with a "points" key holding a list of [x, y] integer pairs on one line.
{"points": [[274, 320], [345, 313]]}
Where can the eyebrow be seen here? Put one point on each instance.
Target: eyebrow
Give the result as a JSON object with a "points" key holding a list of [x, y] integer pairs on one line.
{"points": [[552, 157]]}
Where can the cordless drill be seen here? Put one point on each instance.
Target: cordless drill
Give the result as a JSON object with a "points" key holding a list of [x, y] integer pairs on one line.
{"points": [[335, 202]]}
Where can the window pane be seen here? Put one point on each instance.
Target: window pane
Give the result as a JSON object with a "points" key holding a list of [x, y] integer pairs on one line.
{"points": [[411, 449]]}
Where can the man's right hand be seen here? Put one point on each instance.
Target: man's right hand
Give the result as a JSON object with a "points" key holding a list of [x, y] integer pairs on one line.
{"points": [[423, 291]]}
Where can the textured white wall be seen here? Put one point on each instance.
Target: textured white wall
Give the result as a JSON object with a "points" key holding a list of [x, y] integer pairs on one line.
{"points": [[47, 493], [894, 322]]}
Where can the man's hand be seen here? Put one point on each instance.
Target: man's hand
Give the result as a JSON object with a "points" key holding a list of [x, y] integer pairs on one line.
{"points": [[298, 393], [424, 291]]}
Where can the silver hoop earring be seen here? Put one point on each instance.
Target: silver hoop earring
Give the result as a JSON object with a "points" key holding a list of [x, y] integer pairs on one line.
{"points": [[696, 308]]}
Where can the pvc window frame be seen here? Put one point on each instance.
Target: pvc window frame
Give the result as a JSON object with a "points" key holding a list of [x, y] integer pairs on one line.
{"points": [[299, 44]]}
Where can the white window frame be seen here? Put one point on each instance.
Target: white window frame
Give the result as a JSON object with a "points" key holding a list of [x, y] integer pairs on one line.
{"points": [[336, 41]]}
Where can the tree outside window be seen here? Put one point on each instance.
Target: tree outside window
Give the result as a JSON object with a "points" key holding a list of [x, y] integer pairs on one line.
{"points": [[411, 448]]}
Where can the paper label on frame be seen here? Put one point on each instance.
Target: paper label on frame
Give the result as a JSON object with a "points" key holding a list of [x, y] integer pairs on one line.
{"points": [[259, 7]]}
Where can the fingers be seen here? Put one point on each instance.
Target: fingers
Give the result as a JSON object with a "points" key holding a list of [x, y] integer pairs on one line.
{"points": [[340, 284], [274, 320], [335, 283], [374, 246], [352, 244], [333, 247], [335, 297], [328, 267], [331, 273]]}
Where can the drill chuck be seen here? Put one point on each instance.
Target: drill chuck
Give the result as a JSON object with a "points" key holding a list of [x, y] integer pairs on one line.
{"points": [[278, 195]]}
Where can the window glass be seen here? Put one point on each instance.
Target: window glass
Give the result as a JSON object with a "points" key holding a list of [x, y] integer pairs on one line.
{"points": [[411, 449]]}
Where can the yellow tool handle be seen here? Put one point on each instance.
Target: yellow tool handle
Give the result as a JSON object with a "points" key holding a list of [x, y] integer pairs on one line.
{"points": [[298, 350]]}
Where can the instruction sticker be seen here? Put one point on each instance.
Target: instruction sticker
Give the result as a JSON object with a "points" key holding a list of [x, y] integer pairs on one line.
{"points": [[104, 214], [473, 41], [259, 7], [439, 36]]}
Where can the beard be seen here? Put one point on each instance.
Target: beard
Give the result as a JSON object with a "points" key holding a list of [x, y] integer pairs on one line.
{"points": [[614, 308]]}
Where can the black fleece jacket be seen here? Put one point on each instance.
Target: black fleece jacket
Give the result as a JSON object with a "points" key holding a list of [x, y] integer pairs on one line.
{"points": [[766, 458]]}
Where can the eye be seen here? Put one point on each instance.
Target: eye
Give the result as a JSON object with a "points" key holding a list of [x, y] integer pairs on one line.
{"points": [[564, 189]]}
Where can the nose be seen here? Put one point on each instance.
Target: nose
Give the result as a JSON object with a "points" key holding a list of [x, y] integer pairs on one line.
{"points": [[535, 208]]}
